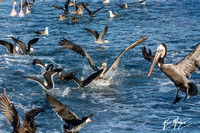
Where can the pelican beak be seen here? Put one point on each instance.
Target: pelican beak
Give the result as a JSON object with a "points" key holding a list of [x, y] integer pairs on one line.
{"points": [[91, 121], [155, 60]]}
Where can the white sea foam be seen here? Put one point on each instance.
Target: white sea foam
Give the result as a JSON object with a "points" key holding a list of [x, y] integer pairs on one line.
{"points": [[66, 91]]}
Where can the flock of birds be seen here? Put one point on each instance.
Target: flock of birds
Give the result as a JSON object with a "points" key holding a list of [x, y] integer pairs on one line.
{"points": [[176, 72]]}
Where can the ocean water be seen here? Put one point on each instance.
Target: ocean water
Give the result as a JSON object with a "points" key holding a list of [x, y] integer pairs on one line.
{"points": [[129, 101]]}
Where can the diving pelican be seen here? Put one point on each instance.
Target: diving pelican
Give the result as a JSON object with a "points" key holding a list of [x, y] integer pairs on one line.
{"points": [[104, 74], [177, 72]]}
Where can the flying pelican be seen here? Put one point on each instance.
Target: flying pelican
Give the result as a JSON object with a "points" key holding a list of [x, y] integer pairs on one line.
{"points": [[72, 122], [99, 38], [92, 14], [26, 49], [66, 10], [8, 109], [177, 72], [104, 74], [79, 9]]}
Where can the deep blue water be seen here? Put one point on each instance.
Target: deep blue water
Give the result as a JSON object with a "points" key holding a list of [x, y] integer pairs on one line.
{"points": [[129, 101]]}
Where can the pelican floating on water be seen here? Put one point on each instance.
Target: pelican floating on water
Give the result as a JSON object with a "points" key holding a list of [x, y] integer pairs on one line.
{"points": [[104, 74], [46, 32], [112, 14], [177, 72]]}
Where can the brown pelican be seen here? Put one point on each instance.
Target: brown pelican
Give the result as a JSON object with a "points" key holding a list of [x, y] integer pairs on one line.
{"points": [[12, 49], [62, 16], [46, 32], [99, 38], [177, 72], [104, 74], [8, 109], [84, 82], [92, 14], [74, 19], [123, 6], [106, 1], [26, 49], [142, 2], [66, 76], [112, 15], [79, 9], [66, 10], [72, 122], [44, 66], [72, 3], [48, 84]]}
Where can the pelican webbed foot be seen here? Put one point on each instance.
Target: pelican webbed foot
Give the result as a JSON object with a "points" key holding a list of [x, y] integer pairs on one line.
{"points": [[177, 97], [187, 94]]}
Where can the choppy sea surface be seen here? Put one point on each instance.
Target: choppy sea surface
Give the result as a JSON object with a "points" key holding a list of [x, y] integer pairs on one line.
{"points": [[129, 101]]}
